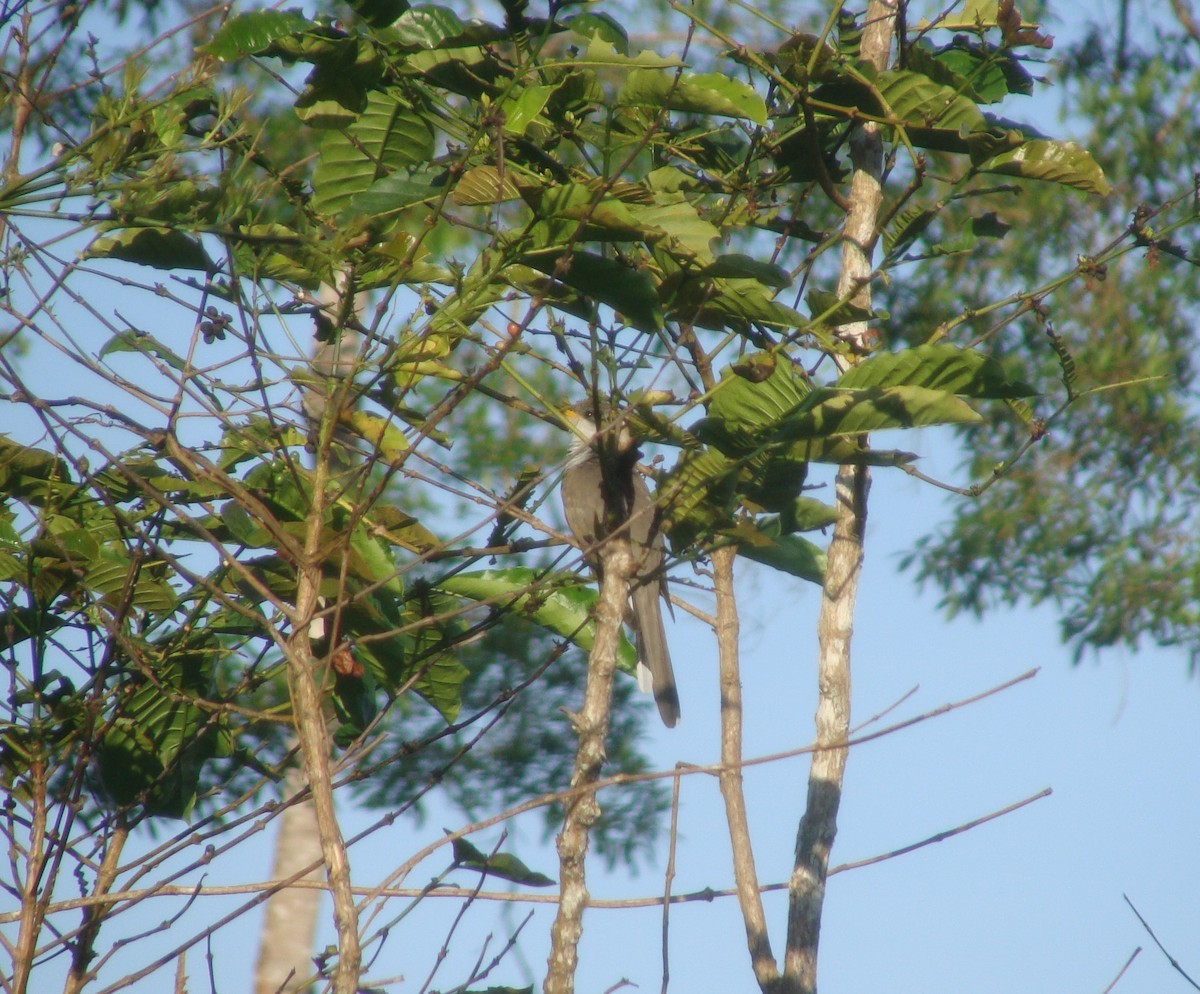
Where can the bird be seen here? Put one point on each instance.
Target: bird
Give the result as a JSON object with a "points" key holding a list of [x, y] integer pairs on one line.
{"points": [[582, 492]]}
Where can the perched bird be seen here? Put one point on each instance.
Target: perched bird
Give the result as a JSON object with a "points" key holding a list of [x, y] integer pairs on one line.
{"points": [[583, 502]]}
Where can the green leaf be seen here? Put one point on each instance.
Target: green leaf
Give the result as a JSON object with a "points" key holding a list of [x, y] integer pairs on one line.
{"points": [[252, 33], [161, 248], [601, 51], [831, 309], [736, 266], [21, 623], [1053, 162], [393, 193], [429, 27], [145, 343], [346, 72], [733, 303], [506, 866], [939, 366], [603, 26], [523, 106], [399, 528], [559, 603], [678, 229], [790, 554], [707, 93], [832, 411], [630, 292], [757, 393], [160, 737], [990, 73], [389, 136], [483, 186], [31, 473], [379, 13], [112, 574]]}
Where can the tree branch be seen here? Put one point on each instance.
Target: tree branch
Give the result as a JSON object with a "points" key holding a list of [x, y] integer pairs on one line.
{"points": [[835, 625], [745, 875], [582, 809], [315, 745]]}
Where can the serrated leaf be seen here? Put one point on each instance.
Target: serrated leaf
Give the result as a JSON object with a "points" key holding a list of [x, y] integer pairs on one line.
{"points": [[560, 604], [601, 51], [603, 26], [160, 248], [253, 32], [705, 93], [1053, 162], [940, 366]]}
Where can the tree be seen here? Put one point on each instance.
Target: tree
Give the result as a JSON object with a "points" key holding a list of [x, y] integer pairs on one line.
{"points": [[1103, 524], [223, 556]]}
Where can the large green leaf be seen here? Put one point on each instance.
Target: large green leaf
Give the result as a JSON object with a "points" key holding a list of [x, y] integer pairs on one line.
{"points": [[940, 366], [161, 248], [757, 393], [560, 604], [161, 736], [253, 32], [630, 292], [791, 554], [387, 137], [833, 411], [707, 93], [430, 26], [379, 13], [1052, 161], [31, 473]]}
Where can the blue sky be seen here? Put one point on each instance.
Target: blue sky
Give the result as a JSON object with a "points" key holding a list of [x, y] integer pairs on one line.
{"points": [[1030, 902]]}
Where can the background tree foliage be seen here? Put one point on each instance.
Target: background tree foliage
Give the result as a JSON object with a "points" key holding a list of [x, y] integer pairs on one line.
{"points": [[316, 300], [1101, 522]]}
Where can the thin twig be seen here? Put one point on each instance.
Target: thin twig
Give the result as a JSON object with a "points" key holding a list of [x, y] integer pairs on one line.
{"points": [[1170, 959], [1121, 972]]}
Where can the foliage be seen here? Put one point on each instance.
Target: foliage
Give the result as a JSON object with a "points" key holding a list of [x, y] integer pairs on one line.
{"points": [[262, 462], [1101, 521]]}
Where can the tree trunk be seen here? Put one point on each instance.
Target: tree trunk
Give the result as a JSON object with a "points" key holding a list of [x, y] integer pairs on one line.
{"points": [[285, 945]]}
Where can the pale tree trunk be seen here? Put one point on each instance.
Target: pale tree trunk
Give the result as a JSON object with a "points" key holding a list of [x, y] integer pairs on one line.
{"points": [[835, 626], [285, 944]]}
